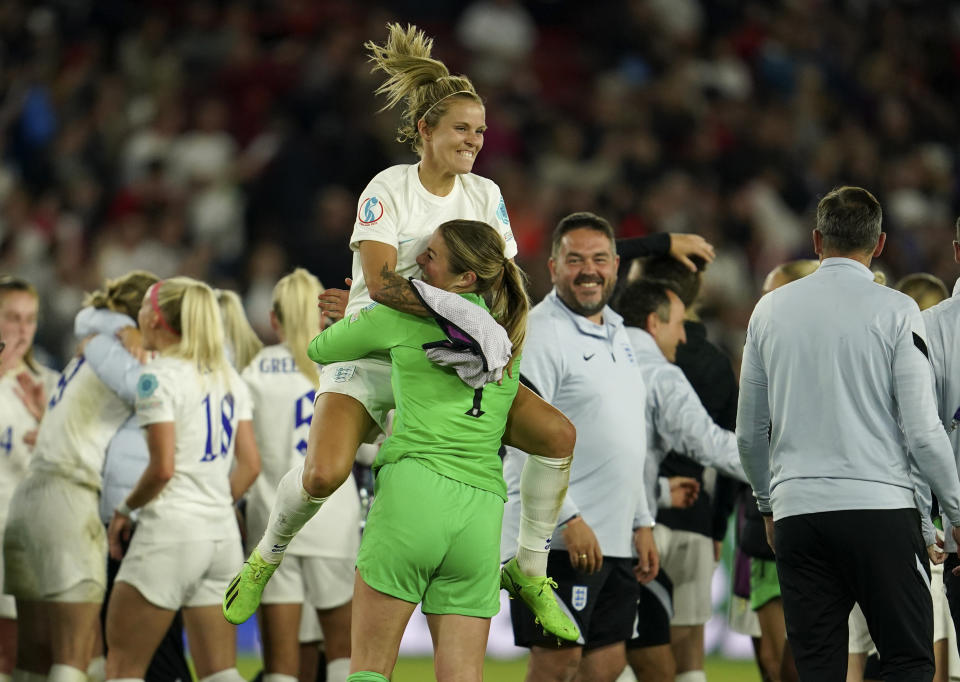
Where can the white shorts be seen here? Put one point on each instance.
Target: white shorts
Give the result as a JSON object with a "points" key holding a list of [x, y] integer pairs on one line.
{"points": [[171, 575], [860, 641], [317, 582], [8, 607], [687, 558], [942, 622], [310, 630], [742, 618], [943, 627], [54, 544], [368, 381]]}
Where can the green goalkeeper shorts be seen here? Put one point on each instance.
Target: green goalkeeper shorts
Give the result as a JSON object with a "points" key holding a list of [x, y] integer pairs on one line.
{"points": [[764, 583], [433, 540]]}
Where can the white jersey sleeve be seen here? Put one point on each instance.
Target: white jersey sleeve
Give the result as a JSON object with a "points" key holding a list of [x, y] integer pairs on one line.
{"points": [[156, 394], [499, 219], [378, 212]]}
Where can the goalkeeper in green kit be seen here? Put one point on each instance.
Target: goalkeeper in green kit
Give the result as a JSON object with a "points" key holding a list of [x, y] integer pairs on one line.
{"points": [[433, 533]]}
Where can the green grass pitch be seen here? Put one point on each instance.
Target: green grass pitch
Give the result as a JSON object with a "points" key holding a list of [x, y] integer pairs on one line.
{"points": [[421, 670]]}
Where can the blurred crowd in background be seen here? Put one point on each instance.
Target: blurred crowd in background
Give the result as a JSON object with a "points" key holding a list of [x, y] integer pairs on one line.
{"points": [[230, 140]]}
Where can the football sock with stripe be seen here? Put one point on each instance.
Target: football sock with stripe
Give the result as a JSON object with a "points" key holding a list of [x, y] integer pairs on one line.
{"points": [[291, 510]]}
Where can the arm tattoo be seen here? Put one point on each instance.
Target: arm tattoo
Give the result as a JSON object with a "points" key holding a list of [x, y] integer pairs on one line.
{"points": [[397, 293]]}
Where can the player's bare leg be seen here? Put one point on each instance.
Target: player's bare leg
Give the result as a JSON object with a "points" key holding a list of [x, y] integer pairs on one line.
{"points": [[339, 425]]}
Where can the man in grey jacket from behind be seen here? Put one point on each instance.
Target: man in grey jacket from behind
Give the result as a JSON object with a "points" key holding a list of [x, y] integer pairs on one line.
{"points": [[835, 391]]}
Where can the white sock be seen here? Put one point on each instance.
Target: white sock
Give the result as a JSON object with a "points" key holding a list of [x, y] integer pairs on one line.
{"points": [[543, 485], [338, 669], [293, 507], [97, 670], [125, 679], [20, 675], [66, 673], [691, 676], [279, 677], [228, 675]]}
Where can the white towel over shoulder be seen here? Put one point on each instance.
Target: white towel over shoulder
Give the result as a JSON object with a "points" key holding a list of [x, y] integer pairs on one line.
{"points": [[476, 347]]}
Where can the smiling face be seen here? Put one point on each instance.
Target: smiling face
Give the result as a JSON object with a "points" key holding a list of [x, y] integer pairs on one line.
{"points": [[452, 145], [584, 271], [435, 268], [18, 324]]}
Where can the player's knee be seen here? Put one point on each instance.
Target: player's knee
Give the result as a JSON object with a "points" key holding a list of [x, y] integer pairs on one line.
{"points": [[564, 437], [322, 480], [559, 665]]}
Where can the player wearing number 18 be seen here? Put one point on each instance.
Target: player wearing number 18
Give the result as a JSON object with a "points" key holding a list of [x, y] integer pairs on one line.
{"points": [[197, 414]]}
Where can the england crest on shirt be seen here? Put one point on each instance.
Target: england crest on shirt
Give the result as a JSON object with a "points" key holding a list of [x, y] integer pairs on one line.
{"points": [[578, 598], [344, 373]]}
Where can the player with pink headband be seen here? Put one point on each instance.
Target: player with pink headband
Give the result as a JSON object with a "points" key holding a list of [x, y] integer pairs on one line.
{"points": [[197, 415]]}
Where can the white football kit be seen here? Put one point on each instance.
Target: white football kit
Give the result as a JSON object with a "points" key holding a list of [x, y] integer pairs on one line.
{"points": [[396, 209], [282, 411], [187, 544], [15, 422], [54, 543]]}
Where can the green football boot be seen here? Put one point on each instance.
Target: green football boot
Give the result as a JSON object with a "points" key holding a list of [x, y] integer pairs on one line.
{"points": [[243, 595], [537, 593]]}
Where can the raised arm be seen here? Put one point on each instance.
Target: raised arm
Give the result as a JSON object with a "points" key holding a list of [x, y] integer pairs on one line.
{"points": [[357, 337], [379, 263], [113, 365], [680, 246]]}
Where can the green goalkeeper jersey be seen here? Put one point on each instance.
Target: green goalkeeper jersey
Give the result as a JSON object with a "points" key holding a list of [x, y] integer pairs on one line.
{"points": [[445, 424]]}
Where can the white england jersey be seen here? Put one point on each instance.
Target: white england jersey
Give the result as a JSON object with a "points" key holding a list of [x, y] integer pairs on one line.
{"points": [[396, 209], [82, 416], [15, 421], [196, 503], [282, 412]]}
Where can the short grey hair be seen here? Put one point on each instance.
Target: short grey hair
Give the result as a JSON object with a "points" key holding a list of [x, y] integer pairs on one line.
{"points": [[848, 219]]}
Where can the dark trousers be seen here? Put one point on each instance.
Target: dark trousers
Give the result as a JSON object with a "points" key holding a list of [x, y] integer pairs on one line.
{"points": [[827, 561], [952, 584], [169, 663]]}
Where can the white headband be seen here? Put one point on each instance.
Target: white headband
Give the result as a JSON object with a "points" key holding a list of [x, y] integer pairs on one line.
{"points": [[458, 92]]}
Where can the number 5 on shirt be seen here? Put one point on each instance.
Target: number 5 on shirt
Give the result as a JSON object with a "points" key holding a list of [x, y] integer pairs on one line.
{"points": [[302, 416]]}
